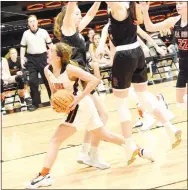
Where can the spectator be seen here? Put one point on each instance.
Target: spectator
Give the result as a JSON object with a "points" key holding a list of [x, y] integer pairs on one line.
{"points": [[8, 79], [103, 60], [90, 35], [34, 41], [2, 97]]}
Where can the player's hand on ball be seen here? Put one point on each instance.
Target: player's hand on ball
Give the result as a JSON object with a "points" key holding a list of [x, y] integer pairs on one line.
{"points": [[72, 106], [61, 100], [58, 110]]}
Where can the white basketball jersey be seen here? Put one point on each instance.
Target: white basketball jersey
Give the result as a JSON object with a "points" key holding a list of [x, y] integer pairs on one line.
{"points": [[80, 117], [61, 82]]}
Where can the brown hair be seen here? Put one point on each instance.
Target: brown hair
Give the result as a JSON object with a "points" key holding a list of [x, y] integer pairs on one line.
{"points": [[31, 16], [7, 56], [59, 22], [139, 15], [133, 10], [64, 51]]}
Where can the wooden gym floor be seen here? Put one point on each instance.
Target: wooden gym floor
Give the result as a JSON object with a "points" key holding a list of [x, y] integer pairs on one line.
{"points": [[25, 138]]}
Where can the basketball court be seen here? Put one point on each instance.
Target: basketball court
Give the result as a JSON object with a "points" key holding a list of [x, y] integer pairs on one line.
{"points": [[25, 138]]}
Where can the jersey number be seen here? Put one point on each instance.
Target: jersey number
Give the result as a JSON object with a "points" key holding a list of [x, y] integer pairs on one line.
{"points": [[183, 44], [58, 86]]}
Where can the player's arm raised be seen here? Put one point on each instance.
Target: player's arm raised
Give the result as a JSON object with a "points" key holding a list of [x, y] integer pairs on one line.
{"points": [[150, 27]]}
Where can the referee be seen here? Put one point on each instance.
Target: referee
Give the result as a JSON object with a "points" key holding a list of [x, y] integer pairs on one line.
{"points": [[33, 44]]}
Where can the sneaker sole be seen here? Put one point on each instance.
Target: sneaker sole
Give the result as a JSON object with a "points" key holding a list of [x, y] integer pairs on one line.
{"points": [[92, 165], [178, 139], [84, 163], [49, 183], [135, 153], [101, 168], [146, 129], [141, 124], [80, 162]]}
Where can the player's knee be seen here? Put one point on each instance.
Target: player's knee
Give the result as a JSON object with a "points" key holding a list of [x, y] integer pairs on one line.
{"points": [[99, 133], [55, 140], [123, 109], [104, 118]]}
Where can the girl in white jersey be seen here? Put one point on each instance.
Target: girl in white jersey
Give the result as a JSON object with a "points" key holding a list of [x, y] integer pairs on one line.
{"points": [[62, 75]]}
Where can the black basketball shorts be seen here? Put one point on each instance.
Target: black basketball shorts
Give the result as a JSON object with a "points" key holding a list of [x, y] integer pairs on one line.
{"points": [[128, 67], [183, 73]]}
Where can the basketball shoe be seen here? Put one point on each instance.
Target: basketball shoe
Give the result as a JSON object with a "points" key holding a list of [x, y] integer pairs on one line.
{"points": [[93, 160], [39, 181]]}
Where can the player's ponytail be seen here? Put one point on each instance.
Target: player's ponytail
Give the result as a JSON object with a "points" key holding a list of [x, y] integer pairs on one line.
{"points": [[132, 8]]}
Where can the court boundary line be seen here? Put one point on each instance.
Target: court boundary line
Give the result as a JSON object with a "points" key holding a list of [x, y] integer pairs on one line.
{"points": [[67, 147], [20, 125], [70, 146], [169, 184]]}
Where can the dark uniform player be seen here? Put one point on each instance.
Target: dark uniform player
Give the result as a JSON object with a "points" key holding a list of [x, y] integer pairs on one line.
{"points": [[136, 69], [181, 36], [129, 66], [79, 48], [179, 23]]}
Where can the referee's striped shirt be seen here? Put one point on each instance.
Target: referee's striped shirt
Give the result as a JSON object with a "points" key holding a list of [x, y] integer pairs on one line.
{"points": [[35, 42]]}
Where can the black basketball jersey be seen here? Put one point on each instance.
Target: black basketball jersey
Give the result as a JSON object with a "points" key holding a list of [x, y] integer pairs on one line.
{"points": [[76, 41], [14, 66], [181, 37], [122, 32]]}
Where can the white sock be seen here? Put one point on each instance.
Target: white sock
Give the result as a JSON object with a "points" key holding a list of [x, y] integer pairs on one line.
{"points": [[85, 148], [93, 150]]}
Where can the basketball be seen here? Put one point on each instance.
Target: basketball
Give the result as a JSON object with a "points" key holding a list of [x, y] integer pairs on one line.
{"points": [[61, 100]]}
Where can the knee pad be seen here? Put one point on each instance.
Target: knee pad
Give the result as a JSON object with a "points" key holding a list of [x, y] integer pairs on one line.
{"points": [[182, 106], [148, 101], [133, 96], [123, 109], [185, 98]]}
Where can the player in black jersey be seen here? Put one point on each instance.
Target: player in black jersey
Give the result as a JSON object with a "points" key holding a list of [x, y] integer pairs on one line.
{"points": [[68, 25], [129, 67], [180, 28]]}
